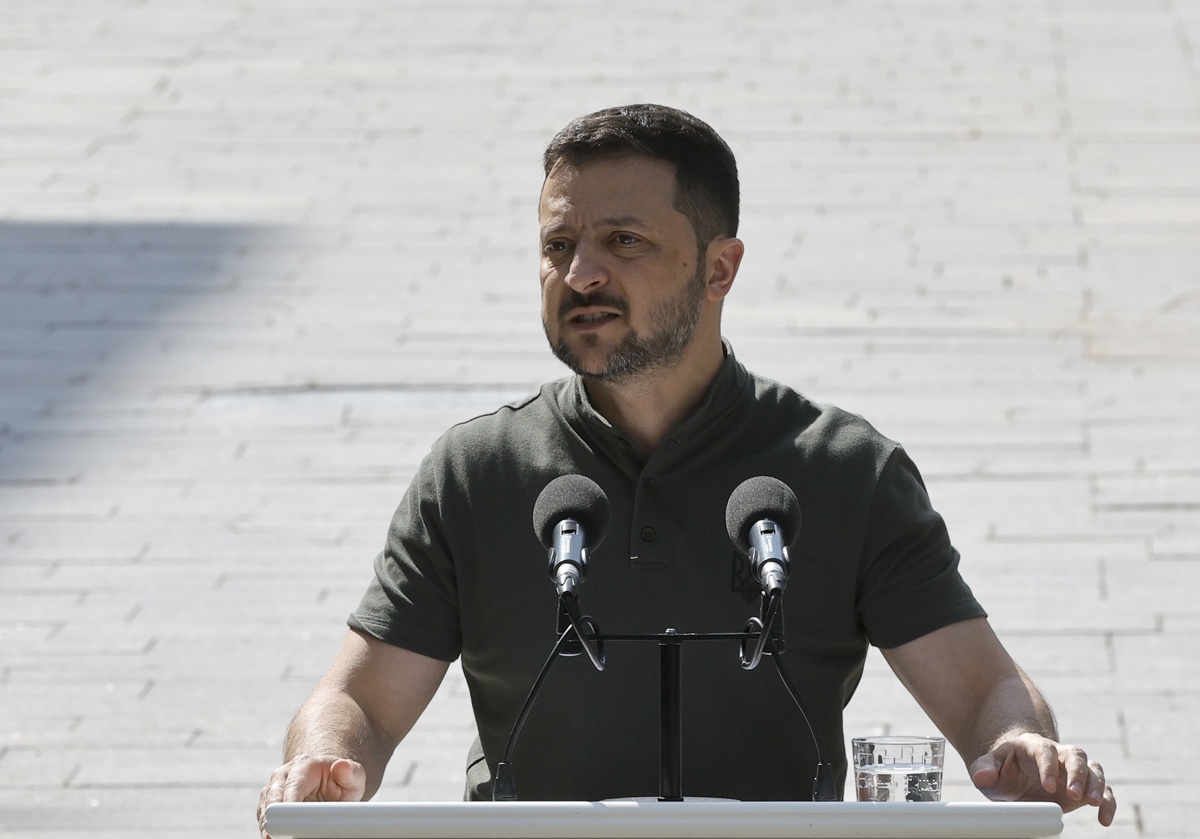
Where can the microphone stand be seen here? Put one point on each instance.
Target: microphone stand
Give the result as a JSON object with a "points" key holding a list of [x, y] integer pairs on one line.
{"points": [[670, 717], [824, 784], [504, 785], [583, 630]]}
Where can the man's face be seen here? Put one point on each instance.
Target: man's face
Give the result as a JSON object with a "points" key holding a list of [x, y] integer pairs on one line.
{"points": [[623, 279]]}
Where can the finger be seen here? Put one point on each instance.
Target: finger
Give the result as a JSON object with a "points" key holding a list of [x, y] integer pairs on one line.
{"points": [[270, 794], [1108, 807], [1095, 784], [1002, 774], [1041, 761], [304, 780], [1077, 771], [262, 810], [985, 772], [1023, 766], [350, 778]]}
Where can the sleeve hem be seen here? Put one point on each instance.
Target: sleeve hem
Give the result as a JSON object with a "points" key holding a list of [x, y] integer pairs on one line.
{"points": [[417, 642], [898, 633]]}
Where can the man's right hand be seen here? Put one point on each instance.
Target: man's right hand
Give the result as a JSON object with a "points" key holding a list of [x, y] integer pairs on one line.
{"points": [[306, 778]]}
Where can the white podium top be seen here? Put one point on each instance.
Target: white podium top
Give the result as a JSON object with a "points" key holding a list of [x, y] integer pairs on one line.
{"points": [[662, 820]]}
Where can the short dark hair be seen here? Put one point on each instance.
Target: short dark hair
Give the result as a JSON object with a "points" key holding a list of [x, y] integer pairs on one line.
{"points": [[706, 179]]}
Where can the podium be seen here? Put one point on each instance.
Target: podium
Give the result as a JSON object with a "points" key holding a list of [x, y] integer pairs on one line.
{"points": [[662, 820]]}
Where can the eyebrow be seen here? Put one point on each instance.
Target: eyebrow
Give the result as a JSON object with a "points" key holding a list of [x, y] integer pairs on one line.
{"points": [[611, 221]]}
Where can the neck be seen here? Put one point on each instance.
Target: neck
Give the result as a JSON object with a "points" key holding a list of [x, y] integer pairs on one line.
{"points": [[648, 407]]}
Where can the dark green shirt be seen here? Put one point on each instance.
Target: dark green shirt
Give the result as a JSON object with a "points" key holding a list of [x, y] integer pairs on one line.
{"points": [[463, 573]]}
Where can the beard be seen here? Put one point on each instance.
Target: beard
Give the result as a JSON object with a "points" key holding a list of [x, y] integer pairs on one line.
{"points": [[673, 322]]}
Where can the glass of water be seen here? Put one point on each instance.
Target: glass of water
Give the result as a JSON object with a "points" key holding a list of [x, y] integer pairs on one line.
{"points": [[898, 768]]}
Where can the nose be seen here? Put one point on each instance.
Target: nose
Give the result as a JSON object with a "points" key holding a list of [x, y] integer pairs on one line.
{"points": [[586, 272]]}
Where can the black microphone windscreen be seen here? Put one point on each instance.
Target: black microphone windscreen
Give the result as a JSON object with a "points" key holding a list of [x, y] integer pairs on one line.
{"points": [[572, 497], [761, 498]]}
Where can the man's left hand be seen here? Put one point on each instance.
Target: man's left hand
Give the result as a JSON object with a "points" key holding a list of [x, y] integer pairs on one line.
{"points": [[1030, 767]]}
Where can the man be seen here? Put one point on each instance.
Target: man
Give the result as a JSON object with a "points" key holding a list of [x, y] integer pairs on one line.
{"points": [[638, 218]]}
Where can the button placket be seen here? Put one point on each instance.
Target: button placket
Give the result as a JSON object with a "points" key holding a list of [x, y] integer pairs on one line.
{"points": [[645, 542]]}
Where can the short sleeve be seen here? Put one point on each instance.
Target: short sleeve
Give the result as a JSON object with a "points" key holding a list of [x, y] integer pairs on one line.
{"points": [[413, 600], [909, 584]]}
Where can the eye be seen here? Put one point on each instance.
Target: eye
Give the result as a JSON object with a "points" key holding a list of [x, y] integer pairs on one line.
{"points": [[555, 246], [625, 239]]}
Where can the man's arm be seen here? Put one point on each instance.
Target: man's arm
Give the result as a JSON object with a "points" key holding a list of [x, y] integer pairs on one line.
{"points": [[341, 739], [996, 718]]}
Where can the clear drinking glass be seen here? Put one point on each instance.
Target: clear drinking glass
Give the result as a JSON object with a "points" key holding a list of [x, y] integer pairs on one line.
{"points": [[898, 768]]}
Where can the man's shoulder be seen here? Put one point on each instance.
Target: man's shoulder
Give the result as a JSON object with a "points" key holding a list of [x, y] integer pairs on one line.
{"points": [[820, 429], [515, 411], [515, 423]]}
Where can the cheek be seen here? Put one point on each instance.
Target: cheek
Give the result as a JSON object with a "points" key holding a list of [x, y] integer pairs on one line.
{"points": [[548, 293], [550, 279]]}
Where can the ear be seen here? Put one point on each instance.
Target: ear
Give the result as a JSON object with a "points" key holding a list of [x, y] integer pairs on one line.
{"points": [[724, 256]]}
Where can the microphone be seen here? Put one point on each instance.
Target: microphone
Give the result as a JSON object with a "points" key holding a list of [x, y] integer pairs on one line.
{"points": [[570, 517], [762, 519]]}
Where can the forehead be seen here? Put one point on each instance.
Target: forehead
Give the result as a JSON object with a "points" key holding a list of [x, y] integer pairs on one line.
{"points": [[610, 186]]}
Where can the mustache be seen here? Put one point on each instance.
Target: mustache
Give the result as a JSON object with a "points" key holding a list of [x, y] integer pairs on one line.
{"points": [[603, 297]]}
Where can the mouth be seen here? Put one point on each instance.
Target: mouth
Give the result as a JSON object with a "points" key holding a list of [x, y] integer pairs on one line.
{"points": [[590, 312], [588, 318]]}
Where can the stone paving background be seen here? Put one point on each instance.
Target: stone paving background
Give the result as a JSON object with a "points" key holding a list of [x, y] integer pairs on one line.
{"points": [[255, 256]]}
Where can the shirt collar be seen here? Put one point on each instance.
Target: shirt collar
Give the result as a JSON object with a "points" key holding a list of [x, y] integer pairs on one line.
{"points": [[730, 385]]}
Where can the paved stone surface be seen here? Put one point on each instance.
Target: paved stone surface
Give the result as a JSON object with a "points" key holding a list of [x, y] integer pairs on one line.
{"points": [[255, 256]]}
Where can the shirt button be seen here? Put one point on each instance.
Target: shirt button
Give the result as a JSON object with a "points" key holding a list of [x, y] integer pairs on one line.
{"points": [[649, 484], [647, 534]]}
